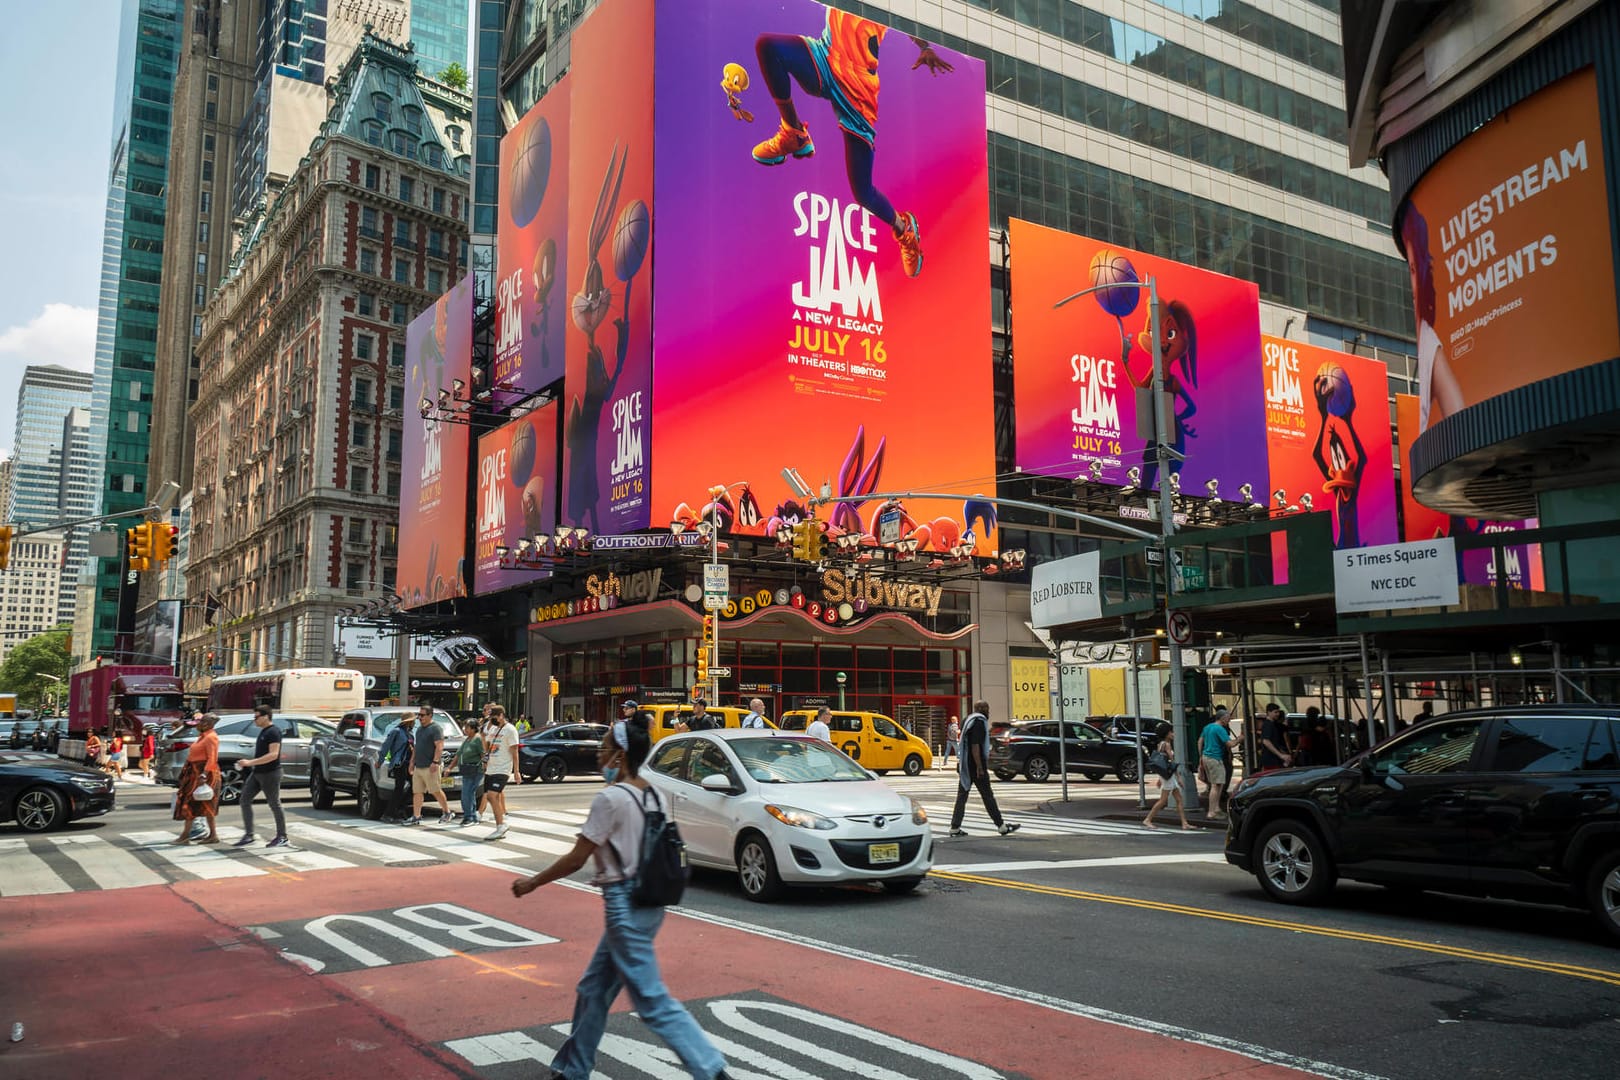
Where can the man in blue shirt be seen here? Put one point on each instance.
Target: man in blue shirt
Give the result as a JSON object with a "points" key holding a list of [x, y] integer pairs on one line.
{"points": [[395, 759], [1212, 758]]}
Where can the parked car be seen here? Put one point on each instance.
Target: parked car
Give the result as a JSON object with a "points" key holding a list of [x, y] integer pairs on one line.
{"points": [[1031, 747], [782, 809], [41, 793], [347, 759], [561, 751], [1519, 803]]}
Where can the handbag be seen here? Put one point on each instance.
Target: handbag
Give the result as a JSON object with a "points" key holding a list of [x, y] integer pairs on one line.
{"points": [[203, 792], [1159, 765], [661, 878]]}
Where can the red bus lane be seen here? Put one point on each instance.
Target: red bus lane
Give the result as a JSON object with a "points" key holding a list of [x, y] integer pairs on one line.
{"points": [[439, 971]]}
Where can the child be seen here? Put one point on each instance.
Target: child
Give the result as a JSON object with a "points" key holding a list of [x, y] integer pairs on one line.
{"points": [[1169, 789]]}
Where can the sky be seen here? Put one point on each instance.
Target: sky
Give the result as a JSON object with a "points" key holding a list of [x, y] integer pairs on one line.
{"points": [[53, 185]]}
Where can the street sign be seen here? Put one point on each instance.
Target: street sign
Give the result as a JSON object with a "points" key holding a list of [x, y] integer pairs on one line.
{"points": [[1180, 627], [219, 669], [720, 672], [716, 586], [889, 526], [1155, 556]]}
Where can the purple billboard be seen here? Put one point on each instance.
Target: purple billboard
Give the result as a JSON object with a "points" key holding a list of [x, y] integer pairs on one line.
{"points": [[517, 495]]}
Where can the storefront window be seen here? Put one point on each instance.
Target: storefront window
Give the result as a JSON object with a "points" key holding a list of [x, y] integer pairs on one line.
{"points": [[908, 659], [837, 656], [760, 653], [798, 656], [869, 656]]}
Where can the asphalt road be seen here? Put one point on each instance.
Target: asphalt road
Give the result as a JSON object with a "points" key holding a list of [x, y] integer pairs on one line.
{"points": [[1082, 945]]}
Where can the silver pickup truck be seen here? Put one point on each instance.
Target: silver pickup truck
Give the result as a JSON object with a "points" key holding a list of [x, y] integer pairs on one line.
{"points": [[347, 760]]}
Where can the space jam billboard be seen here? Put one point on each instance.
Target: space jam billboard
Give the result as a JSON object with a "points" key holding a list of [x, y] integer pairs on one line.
{"points": [[433, 477], [517, 496], [1083, 368], [531, 305], [822, 299]]}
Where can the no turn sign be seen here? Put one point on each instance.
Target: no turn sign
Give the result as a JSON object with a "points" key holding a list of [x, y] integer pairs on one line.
{"points": [[1180, 627]]}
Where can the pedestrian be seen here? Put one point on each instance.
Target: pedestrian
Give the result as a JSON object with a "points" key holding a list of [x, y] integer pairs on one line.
{"points": [[973, 770], [625, 957], [1305, 744], [425, 765], [1170, 787], [756, 714], [148, 751], [1212, 750], [117, 756], [953, 742], [503, 765], [1324, 749], [819, 728], [700, 720], [201, 768], [470, 770], [92, 749], [263, 774], [395, 758], [1425, 713], [1274, 740]]}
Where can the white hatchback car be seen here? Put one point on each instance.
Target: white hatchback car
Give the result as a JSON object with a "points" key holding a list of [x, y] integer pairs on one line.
{"points": [[780, 808]]}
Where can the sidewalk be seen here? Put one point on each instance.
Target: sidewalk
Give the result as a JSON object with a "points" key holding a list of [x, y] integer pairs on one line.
{"points": [[1123, 807]]}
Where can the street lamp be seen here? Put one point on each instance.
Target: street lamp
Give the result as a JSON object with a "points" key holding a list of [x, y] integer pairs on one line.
{"points": [[842, 679]]}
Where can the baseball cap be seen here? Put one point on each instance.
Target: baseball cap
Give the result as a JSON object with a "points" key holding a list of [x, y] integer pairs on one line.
{"points": [[1221, 710], [629, 704]]}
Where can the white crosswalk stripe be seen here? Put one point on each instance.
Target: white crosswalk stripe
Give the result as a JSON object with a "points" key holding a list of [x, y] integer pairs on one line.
{"points": [[25, 873], [978, 823], [108, 865]]}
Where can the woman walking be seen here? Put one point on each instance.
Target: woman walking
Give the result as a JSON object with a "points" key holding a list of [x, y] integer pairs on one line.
{"points": [[1169, 786], [201, 767], [148, 752], [625, 957], [470, 770], [117, 756]]}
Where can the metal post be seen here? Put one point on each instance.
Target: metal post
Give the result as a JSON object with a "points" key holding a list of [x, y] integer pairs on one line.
{"points": [[1063, 731], [1366, 688], [714, 657], [1133, 698], [1167, 529], [1390, 715], [1558, 672]]}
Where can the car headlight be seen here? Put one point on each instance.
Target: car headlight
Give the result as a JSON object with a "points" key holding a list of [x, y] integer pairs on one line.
{"points": [[801, 819], [92, 783], [919, 816]]}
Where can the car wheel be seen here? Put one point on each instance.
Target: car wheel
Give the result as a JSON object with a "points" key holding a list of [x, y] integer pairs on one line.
{"points": [[1037, 770], [1126, 769], [1094, 775], [40, 810], [230, 785], [756, 869], [1002, 774], [553, 769], [370, 798], [914, 765], [320, 792], [1291, 863], [900, 886], [1603, 892]]}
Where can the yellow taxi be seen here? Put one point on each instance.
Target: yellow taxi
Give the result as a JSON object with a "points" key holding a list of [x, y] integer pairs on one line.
{"points": [[872, 739], [668, 719]]}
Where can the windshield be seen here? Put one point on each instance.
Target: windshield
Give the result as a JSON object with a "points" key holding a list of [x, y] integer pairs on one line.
{"points": [[792, 761], [152, 702]]}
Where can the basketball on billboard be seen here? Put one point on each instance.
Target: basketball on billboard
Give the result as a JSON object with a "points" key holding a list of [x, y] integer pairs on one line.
{"points": [[631, 236], [1333, 389], [1109, 267], [523, 451], [531, 171]]}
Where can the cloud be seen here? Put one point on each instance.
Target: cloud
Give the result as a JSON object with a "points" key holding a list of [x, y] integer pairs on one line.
{"points": [[59, 334]]}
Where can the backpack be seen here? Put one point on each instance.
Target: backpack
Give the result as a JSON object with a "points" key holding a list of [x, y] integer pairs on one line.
{"points": [[1160, 765], [661, 877]]}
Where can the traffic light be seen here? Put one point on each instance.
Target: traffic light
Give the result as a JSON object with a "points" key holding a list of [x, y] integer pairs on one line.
{"points": [[138, 543], [5, 546], [164, 539], [809, 541], [703, 664], [818, 541]]}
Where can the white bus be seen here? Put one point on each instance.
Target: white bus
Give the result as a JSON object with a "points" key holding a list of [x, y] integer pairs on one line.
{"points": [[326, 692]]}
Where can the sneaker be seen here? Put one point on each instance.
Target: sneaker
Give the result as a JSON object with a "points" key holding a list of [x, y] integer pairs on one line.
{"points": [[245, 841], [909, 236], [1009, 827], [445, 819], [958, 832], [277, 841], [411, 821], [464, 822], [775, 150], [500, 831]]}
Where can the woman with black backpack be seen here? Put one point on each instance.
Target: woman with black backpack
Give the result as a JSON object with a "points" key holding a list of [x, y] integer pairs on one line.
{"points": [[1162, 762], [613, 833]]}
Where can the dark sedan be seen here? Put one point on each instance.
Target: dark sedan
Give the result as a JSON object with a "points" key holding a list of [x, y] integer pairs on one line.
{"points": [[1031, 747], [556, 752], [41, 793]]}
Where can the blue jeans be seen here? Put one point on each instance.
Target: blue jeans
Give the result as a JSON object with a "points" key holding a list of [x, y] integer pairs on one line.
{"points": [[625, 959], [471, 781]]}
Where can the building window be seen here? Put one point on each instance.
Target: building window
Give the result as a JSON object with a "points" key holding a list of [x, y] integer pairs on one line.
{"points": [[396, 394], [402, 314], [393, 485], [202, 264], [133, 424], [438, 200], [208, 144], [205, 203], [402, 271], [402, 234], [373, 131], [388, 576], [383, 106], [368, 261], [373, 177], [396, 354], [360, 436], [357, 532], [436, 243], [355, 576], [357, 478], [396, 441], [213, 83], [202, 232], [364, 303], [368, 222], [207, 171], [362, 346], [196, 331], [198, 295], [362, 393], [210, 110], [407, 186], [413, 119], [134, 391], [435, 281]]}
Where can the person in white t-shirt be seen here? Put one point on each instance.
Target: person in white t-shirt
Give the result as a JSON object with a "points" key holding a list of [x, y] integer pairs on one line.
{"points": [[625, 957], [818, 728], [501, 767]]}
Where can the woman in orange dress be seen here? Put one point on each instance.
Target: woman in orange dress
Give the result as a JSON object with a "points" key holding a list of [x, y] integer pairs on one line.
{"points": [[202, 763]]}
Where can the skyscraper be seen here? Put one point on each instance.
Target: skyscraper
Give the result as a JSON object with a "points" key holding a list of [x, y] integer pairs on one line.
{"points": [[439, 33], [44, 400], [149, 38], [76, 499]]}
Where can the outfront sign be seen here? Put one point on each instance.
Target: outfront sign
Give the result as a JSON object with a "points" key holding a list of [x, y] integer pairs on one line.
{"points": [[1066, 591], [1395, 576]]}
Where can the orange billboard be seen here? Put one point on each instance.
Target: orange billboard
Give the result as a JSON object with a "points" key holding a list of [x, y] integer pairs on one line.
{"points": [[1507, 241]]}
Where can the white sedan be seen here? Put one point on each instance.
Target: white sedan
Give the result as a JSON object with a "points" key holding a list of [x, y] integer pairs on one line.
{"points": [[780, 808]]}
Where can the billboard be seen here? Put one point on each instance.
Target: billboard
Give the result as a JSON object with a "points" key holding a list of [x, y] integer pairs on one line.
{"points": [[517, 494], [433, 496], [1328, 436], [1083, 372], [157, 632], [1507, 239], [1520, 563], [531, 291], [609, 330], [823, 296]]}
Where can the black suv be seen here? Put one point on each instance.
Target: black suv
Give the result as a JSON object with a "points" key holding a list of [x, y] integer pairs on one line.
{"points": [[1521, 803], [1031, 747]]}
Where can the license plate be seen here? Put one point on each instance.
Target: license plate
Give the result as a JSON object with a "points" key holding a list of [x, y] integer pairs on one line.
{"points": [[882, 853]]}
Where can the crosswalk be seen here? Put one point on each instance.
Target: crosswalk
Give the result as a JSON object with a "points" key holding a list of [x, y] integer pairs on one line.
{"points": [[104, 860]]}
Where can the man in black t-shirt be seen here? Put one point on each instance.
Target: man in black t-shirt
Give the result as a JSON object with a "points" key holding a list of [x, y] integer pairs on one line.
{"points": [[263, 774], [700, 720], [1274, 740]]}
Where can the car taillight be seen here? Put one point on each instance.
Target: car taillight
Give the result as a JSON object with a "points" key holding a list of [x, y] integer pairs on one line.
{"points": [[181, 745]]}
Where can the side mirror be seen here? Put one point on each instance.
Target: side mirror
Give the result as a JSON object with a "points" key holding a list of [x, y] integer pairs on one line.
{"points": [[352, 734], [718, 782]]}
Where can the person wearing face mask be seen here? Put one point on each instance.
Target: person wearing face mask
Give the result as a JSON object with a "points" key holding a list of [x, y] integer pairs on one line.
{"points": [[625, 957]]}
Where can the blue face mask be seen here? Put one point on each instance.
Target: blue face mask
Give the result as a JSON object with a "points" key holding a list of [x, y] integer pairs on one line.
{"points": [[610, 773]]}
